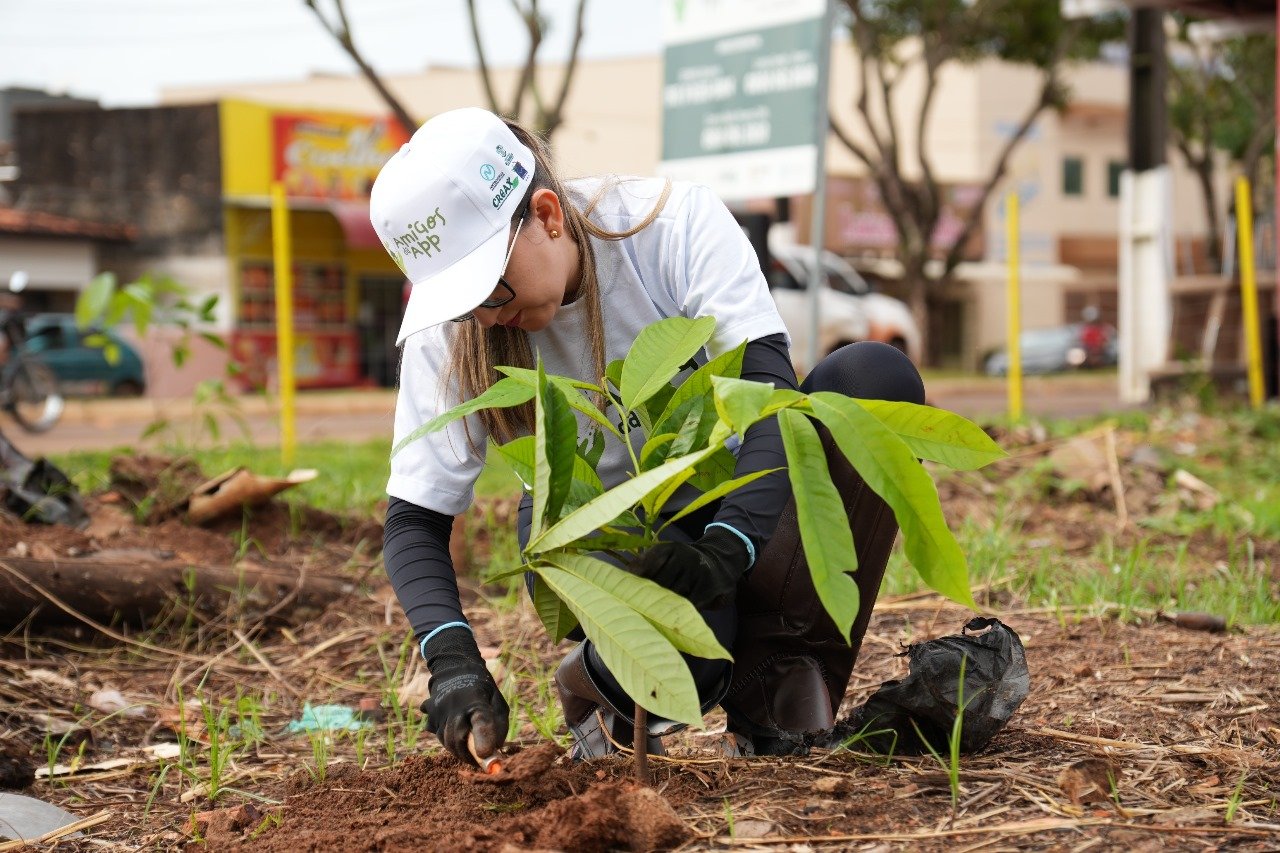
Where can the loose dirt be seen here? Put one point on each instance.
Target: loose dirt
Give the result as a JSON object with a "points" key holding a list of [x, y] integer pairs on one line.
{"points": [[1179, 719]]}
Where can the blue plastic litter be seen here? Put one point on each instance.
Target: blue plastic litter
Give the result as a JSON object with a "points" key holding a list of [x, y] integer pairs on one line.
{"points": [[327, 718]]}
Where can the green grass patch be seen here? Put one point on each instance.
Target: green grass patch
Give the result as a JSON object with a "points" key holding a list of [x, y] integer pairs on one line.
{"points": [[1237, 452], [352, 479]]}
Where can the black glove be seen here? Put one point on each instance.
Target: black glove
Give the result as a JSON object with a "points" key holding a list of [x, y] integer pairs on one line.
{"points": [[706, 571], [464, 699]]}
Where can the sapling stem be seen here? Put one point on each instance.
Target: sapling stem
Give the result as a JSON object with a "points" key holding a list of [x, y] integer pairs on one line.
{"points": [[640, 745]]}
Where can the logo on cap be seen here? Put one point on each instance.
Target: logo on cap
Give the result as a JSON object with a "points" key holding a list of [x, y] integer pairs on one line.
{"points": [[488, 172], [519, 170]]}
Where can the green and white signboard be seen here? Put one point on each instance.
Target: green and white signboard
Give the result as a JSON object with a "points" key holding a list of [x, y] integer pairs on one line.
{"points": [[741, 95]]}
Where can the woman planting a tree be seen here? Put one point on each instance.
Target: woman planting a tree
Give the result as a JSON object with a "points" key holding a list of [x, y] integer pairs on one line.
{"points": [[526, 267]]}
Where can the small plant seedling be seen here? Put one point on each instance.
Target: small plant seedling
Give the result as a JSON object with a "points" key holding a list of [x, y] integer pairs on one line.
{"points": [[320, 750], [678, 436], [951, 765], [269, 821], [221, 748], [1237, 796]]}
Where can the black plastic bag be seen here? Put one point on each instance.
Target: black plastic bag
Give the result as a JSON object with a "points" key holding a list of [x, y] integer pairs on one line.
{"points": [[902, 715], [38, 491]]}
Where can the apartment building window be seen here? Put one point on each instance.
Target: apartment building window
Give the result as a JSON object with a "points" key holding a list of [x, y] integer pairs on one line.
{"points": [[1072, 176], [1115, 169]]}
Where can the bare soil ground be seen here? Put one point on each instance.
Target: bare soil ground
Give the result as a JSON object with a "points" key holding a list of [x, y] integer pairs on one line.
{"points": [[1139, 735]]}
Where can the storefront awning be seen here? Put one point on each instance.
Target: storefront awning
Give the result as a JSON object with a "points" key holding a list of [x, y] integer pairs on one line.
{"points": [[353, 216]]}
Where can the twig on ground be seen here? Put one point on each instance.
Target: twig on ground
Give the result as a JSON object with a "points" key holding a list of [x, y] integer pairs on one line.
{"points": [[267, 665], [61, 832], [1117, 483]]}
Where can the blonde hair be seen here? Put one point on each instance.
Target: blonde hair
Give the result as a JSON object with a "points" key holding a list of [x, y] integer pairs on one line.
{"points": [[475, 352]]}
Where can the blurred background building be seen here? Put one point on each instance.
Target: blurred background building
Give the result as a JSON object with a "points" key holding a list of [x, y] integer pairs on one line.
{"points": [[185, 187]]}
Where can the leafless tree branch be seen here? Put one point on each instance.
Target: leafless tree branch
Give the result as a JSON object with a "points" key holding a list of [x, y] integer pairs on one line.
{"points": [[486, 79], [554, 117], [341, 32], [974, 215]]}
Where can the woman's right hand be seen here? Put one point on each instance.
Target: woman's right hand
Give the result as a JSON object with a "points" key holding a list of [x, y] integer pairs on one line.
{"points": [[464, 698]]}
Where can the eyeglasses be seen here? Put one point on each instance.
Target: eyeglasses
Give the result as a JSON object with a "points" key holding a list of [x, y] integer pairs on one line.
{"points": [[498, 301]]}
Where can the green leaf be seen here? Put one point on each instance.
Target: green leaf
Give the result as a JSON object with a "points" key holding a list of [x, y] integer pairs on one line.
{"points": [[556, 616], [111, 352], [593, 453], [612, 503], [207, 307], [156, 427], [891, 470], [785, 398], [740, 401], [936, 434], [116, 310], [570, 387], [586, 484], [698, 386], [643, 660], [94, 299], [658, 353], [652, 408], [140, 305], [215, 339], [530, 377], [823, 521], [718, 468], [655, 450], [672, 614], [501, 394], [165, 285], [717, 492], [610, 539], [699, 418], [554, 452], [657, 499], [613, 373]]}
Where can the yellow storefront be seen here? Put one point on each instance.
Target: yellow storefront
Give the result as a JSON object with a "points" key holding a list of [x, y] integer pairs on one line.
{"points": [[347, 293]]}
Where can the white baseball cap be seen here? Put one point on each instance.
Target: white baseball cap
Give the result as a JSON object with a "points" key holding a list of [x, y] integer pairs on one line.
{"points": [[443, 205]]}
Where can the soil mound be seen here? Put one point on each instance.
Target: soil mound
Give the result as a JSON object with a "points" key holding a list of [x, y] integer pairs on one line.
{"points": [[432, 803]]}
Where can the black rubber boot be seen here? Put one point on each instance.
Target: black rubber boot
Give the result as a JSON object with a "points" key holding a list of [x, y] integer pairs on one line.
{"points": [[598, 725]]}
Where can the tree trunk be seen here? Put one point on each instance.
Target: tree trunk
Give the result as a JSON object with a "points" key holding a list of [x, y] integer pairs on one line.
{"points": [[1213, 243], [137, 586], [913, 277]]}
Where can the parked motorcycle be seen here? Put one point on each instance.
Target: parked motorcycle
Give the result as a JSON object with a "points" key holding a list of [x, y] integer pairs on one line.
{"points": [[29, 390]]}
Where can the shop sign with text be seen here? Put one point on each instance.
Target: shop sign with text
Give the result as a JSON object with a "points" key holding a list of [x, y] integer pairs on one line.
{"points": [[332, 158]]}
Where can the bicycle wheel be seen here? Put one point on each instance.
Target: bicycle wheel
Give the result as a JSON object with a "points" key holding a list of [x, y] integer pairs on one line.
{"points": [[36, 402]]}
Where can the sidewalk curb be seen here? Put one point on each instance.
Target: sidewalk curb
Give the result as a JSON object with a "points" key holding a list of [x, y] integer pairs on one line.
{"points": [[141, 410]]}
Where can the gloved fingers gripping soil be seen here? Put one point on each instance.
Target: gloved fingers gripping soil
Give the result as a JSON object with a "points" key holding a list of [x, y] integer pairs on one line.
{"points": [[481, 727], [464, 702]]}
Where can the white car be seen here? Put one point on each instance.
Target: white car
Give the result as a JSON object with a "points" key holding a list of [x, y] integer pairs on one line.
{"points": [[849, 310]]}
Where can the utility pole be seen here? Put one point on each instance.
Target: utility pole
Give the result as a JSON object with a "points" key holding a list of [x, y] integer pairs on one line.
{"points": [[1146, 311]]}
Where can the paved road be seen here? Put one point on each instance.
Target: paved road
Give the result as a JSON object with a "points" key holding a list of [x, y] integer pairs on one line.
{"points": [[367, 414]]}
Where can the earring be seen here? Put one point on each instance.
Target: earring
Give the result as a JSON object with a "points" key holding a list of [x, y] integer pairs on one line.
{"points": [[554, 233]]}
